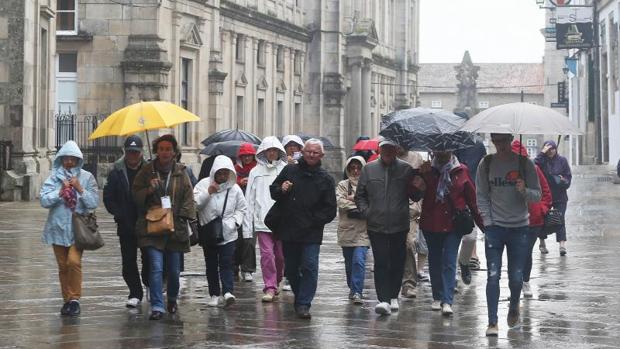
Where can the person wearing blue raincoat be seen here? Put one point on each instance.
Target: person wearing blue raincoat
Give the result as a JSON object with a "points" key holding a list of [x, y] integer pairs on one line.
{"points": [[68, 189]]}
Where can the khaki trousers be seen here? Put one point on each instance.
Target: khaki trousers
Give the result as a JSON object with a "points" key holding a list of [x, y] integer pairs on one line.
{"points": [[69, 261]]}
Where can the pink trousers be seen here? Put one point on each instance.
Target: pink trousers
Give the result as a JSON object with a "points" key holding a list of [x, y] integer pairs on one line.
{"points": [[271, 260]]}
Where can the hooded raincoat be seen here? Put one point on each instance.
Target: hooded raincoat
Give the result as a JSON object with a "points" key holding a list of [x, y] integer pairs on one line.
{"points": [[257, 192], [351, 232], [58, 228], [210, 205]]}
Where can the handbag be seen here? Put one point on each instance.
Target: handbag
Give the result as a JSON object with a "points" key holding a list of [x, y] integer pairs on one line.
{"points": [[354, 213], [554, 221], [462, 219], [274, 217], [86, 231], [159, 220], [192, 231], [212, 233]]}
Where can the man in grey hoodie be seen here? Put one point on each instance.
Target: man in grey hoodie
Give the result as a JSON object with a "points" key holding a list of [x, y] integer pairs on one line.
{"points": [[383, 197], [505, 183]]}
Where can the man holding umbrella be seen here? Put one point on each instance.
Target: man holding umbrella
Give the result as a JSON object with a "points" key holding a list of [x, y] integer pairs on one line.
{"points": [[505, 183]]}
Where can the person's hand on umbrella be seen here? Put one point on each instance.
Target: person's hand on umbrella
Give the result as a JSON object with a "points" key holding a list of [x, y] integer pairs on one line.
{"points": [[154, 185], [520, 185], [286, 186], [213, 188]]}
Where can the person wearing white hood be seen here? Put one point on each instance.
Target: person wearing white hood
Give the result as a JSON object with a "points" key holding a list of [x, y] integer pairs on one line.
{"points": [[219, 196], [271, 159], [292, 145]]}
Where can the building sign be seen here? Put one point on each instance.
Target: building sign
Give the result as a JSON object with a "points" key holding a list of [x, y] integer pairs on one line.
{"points": [[573, 27]]}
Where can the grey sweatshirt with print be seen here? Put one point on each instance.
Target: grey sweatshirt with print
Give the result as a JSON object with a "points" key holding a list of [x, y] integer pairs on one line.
{"points": [[498, 199]]}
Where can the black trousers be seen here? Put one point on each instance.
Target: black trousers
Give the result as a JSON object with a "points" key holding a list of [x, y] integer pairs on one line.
{"points": [[245, 254], [131, 275], [389, 252]]}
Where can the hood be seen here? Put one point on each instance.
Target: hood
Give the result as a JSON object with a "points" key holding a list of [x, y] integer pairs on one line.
{"points": [[518, 148], [246, 149], [222, 161], [267, 143], [551, 143], [292, 138], [69, 149], [358, 158]]}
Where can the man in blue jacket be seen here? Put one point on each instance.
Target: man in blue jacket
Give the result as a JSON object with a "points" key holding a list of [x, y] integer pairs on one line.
{"points": [[118, 200]]}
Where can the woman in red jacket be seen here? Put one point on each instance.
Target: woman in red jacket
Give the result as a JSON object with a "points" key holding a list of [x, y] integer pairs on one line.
{"points": [[538, 211], [446, 186]]}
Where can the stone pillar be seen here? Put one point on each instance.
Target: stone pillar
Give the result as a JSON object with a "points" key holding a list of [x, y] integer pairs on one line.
{"points": [[354, 126], [216, 85], [366, 122]]}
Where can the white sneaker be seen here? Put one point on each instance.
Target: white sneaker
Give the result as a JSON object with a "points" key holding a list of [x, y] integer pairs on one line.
{"points": [[394, 304], [436, 305], [214, 301], [229, 299], [132, 303], [286, 286], [383, 308], [527, 290], [247, 277], [446, 309]]}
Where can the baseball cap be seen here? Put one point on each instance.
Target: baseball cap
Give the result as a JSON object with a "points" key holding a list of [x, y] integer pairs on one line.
{"points": [[133, 143]]}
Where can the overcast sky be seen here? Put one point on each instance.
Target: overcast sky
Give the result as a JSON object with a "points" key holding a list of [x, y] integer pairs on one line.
{"points": [[494, 31]]}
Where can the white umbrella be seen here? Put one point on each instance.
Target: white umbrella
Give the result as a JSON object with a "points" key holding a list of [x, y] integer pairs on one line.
{"points": [[521, 118]]}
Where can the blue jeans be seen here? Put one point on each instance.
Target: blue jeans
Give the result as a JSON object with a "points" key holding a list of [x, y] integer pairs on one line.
{"points": [[156, 260], [443, 249], [533, 236], [355, 267], [219, 262], [301, 267], [516, 241]]}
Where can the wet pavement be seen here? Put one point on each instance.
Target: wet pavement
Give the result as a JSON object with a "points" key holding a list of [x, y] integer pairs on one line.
{"points": [[575, 301]]}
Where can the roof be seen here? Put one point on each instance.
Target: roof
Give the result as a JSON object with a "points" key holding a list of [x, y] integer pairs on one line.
{"points": [[492, 78]]}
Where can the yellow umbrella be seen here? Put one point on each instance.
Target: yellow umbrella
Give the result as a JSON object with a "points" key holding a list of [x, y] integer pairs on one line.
{"points": [[142, 116]]}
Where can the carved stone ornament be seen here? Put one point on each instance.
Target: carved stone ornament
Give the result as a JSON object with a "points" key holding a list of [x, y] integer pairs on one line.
{"points": [[466, 94], [242, 81], [190, 35], [281, 87], [262, 84]]}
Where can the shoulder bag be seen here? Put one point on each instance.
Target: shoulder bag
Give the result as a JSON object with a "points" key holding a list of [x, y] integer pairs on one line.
{"points": [[554, 220], [159, 220], [212, 233], [86, 231]]}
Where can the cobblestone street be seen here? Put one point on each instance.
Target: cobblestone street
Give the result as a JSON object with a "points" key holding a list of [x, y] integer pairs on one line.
{"points": [[575, 301]]}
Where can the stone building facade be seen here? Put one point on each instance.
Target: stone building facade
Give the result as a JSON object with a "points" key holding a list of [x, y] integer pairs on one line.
{"points": [[326, 67]]}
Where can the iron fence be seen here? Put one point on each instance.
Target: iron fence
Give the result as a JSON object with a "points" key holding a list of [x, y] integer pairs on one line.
{"points": [[78, 128]]}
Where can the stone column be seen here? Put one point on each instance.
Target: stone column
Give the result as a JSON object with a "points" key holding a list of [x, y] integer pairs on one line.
{"points": [[366, 122], [355, 102], [216, 85]]}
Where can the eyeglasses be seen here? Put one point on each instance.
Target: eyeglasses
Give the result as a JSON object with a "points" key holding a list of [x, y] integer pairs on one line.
{"points": [[313, 153]]}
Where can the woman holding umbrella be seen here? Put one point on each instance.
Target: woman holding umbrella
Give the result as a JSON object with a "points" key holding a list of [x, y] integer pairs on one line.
{"points": [[164, 183], [447, 190]]}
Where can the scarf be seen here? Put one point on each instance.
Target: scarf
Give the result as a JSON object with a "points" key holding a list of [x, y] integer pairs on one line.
{"points": [[67, 193], [443, 187]]}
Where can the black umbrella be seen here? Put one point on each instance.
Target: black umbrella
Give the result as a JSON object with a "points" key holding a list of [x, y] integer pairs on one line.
{"points": [[228, 148], [424, 129], [326, 142], [231, 135]]}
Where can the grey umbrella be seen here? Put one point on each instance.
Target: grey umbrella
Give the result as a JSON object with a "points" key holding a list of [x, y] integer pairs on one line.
{"points": [[228, 148], [424, 129], [231, 135]]}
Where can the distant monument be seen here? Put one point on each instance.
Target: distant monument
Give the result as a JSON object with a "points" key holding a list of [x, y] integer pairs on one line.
{"points": [[466, 94]]}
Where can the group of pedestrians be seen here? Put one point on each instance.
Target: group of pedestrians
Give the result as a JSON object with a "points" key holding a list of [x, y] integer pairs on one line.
{"points": [[398, 205]]}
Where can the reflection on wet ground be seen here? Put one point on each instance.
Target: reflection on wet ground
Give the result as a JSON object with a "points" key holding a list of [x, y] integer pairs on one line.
{"points": [[575, 298]]}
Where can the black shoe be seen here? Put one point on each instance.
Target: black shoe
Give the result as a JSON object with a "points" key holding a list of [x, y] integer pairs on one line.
{"points": [[513, 316], [172, 307], [465, 274], [74, 308], [156, 315], [65, 309], [303, 312]]}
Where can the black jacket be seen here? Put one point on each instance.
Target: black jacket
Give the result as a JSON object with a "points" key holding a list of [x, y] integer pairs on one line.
{"points": [[308, 205], [118, 199]]}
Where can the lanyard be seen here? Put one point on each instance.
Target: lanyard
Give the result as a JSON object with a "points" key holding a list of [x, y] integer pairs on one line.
{"points": [[167, 182]]}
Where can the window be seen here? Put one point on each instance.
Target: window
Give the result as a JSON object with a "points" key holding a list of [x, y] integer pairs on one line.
{"points": [[240, 114], [260, 118], [260, 53], [531, 142], [280, 59], [240, 49], [66, 22], [436, 104], [297, 63], [66, 83], [483, 104], [186, 74]]}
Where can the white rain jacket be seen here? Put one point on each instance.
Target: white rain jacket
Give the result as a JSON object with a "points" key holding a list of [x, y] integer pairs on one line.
{"points": [[210, 205], [257, 192]]}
